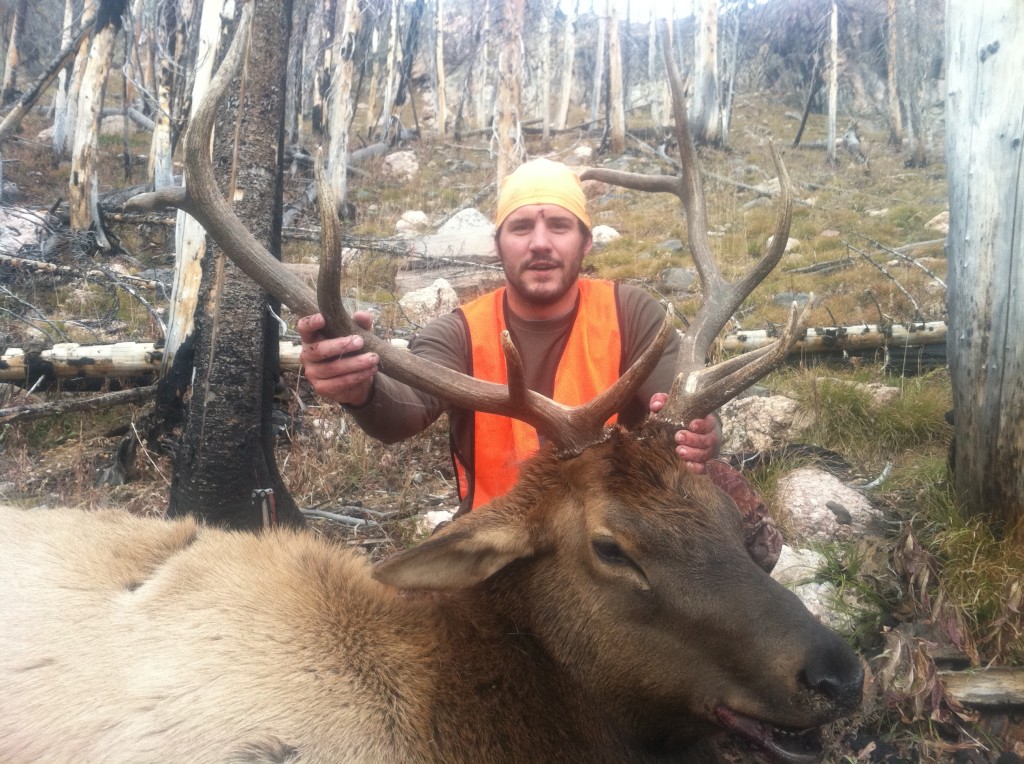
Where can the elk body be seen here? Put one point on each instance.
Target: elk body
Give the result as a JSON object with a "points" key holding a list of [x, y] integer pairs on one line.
{"points": [[605, 610]]}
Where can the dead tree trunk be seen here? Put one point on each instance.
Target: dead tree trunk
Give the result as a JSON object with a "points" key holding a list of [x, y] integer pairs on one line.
{"points": [[83, 190], [985, 160], [568, 59], [616, 106], [301, 12], [60, 102], [441, 99], [545, 75], [190, 238], [75, 84], [706, 107], [226, 454], [597, 87], [507, 123], [833, 84], [911, 81], [892, 76], [403, 90], [342, 97], [9, 88]]}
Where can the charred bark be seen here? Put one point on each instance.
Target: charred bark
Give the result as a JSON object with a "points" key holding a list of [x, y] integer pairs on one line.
{"points": [[226, 452]]}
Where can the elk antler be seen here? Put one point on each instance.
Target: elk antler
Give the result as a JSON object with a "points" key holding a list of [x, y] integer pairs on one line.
{"points": [[698, 390], [571, 428]]}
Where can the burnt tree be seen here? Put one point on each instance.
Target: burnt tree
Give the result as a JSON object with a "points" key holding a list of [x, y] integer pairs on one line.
{"points": [[226, 451]]}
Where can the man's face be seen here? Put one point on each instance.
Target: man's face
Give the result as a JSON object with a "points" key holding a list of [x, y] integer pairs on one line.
{"points": [[541, 247]]}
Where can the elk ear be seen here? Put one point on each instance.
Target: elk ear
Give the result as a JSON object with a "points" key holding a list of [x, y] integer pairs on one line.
{"points": [[462, 555]]}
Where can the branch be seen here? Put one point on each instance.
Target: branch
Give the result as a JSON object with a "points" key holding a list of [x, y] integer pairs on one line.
{"points": [[35, 411]]}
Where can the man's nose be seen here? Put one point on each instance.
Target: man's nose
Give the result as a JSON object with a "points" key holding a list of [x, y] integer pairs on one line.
{"points": [[539, 238]]}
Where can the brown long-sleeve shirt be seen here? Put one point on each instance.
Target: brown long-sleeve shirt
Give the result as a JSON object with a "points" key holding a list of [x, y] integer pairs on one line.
{"points": [[396, 411]]}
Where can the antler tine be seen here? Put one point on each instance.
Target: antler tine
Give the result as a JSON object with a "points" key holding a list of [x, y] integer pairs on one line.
{"points": [[696, 394]]}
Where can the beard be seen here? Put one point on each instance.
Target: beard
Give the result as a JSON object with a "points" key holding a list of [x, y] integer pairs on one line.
{"points": [[543, 281]]}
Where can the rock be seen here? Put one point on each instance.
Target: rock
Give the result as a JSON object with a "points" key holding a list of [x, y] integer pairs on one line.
{"points": [[468, 219], [677, 279], [788, 298], [401, 166], [423, 305], [412, 222], [939, 223], [823, 509], [604, 233], [761, 423], [426, 522], [583, 153], [671, 245], [881, 395], [792, 245], [19, 227], [10, 192], [796, 569]]}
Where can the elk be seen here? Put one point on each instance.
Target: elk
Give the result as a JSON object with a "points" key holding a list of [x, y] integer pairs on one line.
{"points": [[605, 610]]}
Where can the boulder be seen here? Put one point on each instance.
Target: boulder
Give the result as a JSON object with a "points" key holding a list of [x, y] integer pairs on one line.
{"points": [[824, 509], [423, 305]]}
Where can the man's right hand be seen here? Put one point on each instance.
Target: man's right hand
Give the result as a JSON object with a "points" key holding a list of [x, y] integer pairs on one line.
{"points": [[337, 369]]}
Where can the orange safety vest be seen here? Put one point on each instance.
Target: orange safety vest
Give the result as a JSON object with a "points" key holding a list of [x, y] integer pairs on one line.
{"points": [[588, 366]]}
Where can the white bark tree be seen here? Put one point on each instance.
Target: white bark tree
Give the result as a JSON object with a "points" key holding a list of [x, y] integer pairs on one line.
{"points": [[8, 90], [441, 99], [83, 188], [507, 122], [342, 98], [75, 84], [892, 75], [833, 83], [985, 161], [597, 87], [616, 105], [545, 73], [60, 104], [706, 102], [190, 237], [568, 59]]}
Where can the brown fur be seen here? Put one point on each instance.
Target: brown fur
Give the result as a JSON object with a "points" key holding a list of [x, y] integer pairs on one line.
{"points": [[506, 637]]}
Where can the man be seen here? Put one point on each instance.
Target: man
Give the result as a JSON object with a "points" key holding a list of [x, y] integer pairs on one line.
{"points": [[576, 336]]}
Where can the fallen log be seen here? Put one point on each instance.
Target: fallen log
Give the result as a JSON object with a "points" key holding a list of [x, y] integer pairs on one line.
{"points": [[832, 338], [128, 359], [94, 403], [988, 687], [68, 360]]}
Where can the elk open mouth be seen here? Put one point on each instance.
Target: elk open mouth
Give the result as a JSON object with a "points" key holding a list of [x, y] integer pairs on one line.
{"points": [[783, 745]]}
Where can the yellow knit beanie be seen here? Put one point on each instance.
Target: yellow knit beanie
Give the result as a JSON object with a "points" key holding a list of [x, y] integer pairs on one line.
{"points": [[541, 181]]}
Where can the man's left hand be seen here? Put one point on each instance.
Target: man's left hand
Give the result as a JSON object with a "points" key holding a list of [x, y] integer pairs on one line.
{"points": [[698, 441]]}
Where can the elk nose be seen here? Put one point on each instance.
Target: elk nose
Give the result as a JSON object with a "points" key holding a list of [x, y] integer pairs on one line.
{"points": [[835, 673]]}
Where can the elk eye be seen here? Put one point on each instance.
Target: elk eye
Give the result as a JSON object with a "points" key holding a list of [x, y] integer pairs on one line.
{"points": [[610, 552]]}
